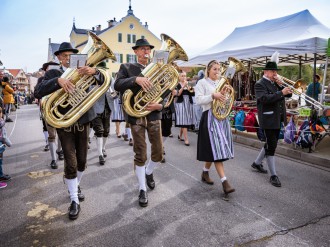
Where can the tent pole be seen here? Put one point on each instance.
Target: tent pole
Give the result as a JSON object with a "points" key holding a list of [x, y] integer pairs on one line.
{"points": [[300, 67], [324, 77]]}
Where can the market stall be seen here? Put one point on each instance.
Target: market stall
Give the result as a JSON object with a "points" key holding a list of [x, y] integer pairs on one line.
{"points": [[299, 38]]}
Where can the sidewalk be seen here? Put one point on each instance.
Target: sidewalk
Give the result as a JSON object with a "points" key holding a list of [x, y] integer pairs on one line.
{"points": [[320, 156]]}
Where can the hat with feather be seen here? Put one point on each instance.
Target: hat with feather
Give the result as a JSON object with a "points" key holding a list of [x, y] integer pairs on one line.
{"points": [[272, 64]]}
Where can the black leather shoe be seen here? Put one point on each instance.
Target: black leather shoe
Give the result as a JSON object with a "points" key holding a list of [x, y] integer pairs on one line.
{"points": [[150, 181], [143, 198], [81, 196], [60, 155], [274, 180], [101, 160], [53, 164], [163, 160], [104, 153], [46, 148], [74, 210], [259, 168]]}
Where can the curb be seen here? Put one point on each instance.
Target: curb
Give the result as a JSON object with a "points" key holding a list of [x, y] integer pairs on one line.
{"points": [[285, 150]]}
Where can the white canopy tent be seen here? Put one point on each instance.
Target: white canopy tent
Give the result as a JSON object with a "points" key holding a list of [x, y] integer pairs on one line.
{"points": [[299, 38]]}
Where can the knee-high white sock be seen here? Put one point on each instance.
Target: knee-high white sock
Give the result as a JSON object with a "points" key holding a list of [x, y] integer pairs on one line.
{"points": [[151, 166], [140, 172], [271, 164], [46, 136], [164, 139], [73, 189], [128, 132], [59, 145], [104, 142], [99, 144], [260, 157], [79, 176], [52, 149]]}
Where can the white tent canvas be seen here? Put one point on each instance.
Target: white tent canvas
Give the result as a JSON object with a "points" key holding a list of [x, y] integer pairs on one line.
{"points": [[293, 36]]}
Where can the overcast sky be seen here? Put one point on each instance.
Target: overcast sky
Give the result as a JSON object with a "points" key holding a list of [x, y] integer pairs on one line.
{"points": [[26, 25]]}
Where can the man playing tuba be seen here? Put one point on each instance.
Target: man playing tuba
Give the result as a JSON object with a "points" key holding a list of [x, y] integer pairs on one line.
{"points": [[128, 78], [74, 138]]}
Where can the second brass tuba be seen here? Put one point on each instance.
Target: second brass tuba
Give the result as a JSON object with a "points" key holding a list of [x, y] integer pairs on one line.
{"points": [[62, 109], [162, 74], [222, 109]]}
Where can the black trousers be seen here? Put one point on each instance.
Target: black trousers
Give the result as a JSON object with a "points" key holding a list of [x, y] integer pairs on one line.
{"points": [[271, 141]]}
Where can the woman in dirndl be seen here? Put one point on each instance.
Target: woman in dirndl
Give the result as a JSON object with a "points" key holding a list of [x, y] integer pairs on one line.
{"points": [[184, 111], [117, 115], [215, 142]]}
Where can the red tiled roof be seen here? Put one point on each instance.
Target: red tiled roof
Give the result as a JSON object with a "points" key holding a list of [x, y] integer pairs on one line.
{"points": [[14, 72]]}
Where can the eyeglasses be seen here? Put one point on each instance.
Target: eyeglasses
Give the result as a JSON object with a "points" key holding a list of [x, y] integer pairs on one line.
{"points": [[65, 55], [145, 49]]}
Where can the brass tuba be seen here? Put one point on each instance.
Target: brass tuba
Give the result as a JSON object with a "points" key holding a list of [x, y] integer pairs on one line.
{"points": [[162, 74], [222, 109], [63, 109]]}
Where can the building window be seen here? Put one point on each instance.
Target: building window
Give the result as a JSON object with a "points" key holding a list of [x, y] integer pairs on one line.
{"points": [[130, 58], [131, 38], [120, 37], [119, 57]]}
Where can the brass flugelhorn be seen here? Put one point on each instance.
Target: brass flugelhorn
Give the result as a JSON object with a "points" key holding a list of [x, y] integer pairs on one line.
{"points": [[222, 109], [63, 109]]}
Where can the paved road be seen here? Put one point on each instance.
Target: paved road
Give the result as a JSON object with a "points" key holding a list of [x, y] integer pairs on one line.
{"points": [[182, 210]]}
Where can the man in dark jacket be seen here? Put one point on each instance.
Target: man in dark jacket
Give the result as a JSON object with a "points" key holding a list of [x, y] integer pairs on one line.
{"points": [[74, 138], [271, 113], [128, 77]]}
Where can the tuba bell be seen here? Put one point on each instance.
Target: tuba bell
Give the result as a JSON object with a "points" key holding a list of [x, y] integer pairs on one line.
{"points": [[163, 75], [63, 109], [222, 109]]}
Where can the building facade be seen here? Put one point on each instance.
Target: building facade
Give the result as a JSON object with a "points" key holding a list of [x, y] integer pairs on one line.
{"points": [[119, 36], [20, 80]]}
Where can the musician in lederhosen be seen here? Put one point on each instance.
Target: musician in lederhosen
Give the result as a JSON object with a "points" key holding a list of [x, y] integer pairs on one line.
{"points": [[184, 108], [215, 142], [49, 131], [101, 124], [128, 78], [74, 138]]}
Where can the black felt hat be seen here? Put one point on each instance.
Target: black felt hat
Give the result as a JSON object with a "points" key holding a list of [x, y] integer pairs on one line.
{"points": [[142, 42], [65, 46], [271, 66]]}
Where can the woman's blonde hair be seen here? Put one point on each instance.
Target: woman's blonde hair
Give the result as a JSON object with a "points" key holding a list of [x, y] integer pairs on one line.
{"points": [[209, 66]]}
